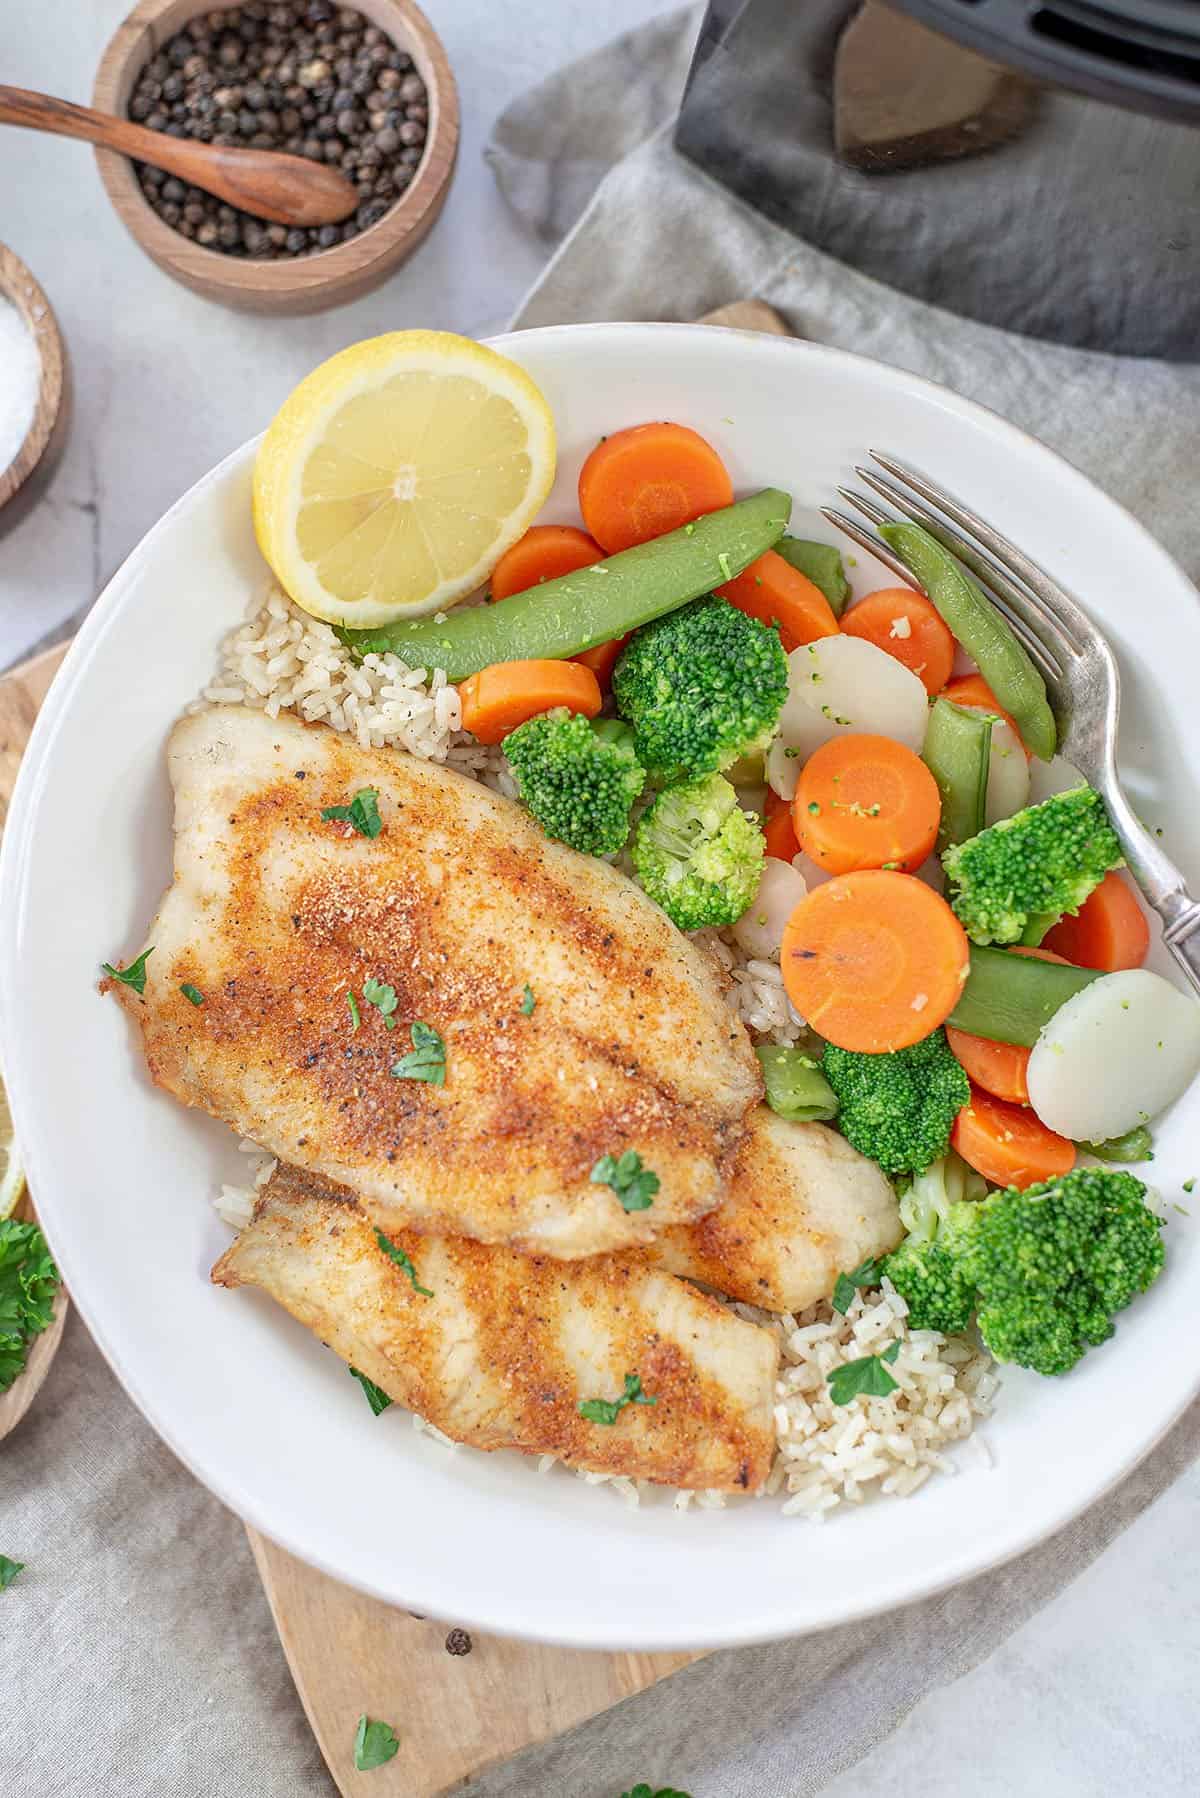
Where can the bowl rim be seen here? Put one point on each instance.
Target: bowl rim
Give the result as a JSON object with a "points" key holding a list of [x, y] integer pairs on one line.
{"points": [[959, 1563], [21, 287], [369, 254]]}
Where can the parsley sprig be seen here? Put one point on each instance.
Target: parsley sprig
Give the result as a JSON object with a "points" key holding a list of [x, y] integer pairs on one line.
{"points": [[28, 1284], [869, 1377], [867, 1273], [362, 812], [383, 997], [607, 1410], [374, 1743], [427, 1059], [403, 1263], [633, 1184], [134, 975], [377, 1398]]}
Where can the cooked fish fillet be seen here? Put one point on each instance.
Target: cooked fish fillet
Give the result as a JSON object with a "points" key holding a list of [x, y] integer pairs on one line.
{"points": [[458, 905], [504, 1348], [802, 1206]]}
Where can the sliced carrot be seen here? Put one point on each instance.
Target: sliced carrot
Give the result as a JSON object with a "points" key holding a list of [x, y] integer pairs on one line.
{"points": [[905, 625], [775, 592], [498, 698], [602, 660], [973, 691], [874, 961], [777, 830], [866, 802], [1109, 930], [542, 554], [999, 1068], [649, 479], [1008, 1144]]}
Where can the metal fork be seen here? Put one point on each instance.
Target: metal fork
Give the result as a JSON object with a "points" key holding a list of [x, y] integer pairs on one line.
{"points": [[1076, 662]]}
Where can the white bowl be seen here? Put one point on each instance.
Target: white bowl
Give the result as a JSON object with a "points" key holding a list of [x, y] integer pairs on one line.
{"points": [[124, 1176]]}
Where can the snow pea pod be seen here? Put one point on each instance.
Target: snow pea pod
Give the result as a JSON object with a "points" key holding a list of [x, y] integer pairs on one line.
{"points": [[958, 753], [1008, 998], [822, 564], [593, 605], [983, 632], [795, 1086]]}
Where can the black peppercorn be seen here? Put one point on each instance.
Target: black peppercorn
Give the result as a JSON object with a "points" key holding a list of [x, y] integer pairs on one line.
{"points": [[305, 76], [458, 1642]]}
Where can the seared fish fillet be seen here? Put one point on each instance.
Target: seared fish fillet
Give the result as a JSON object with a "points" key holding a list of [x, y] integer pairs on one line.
{"points": [[276, 916], [801, 1207], [506, 1346]]}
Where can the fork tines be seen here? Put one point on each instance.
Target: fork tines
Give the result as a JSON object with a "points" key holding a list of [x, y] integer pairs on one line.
{"points": [[1049, 624]]}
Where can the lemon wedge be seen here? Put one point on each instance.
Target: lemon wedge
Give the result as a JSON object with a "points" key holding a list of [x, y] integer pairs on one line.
{"points": [[396, 475], [12, 1174]]}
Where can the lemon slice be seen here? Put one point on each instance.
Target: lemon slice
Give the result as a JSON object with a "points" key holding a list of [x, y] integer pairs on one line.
{"points": [[12, 1174], [396, 475]]}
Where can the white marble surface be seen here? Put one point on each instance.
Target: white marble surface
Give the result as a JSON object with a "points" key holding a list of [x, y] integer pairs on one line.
{"points": [[1097, 1694]]}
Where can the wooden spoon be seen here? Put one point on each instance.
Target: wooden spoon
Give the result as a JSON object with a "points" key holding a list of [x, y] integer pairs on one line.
{"points": [[290, 190], [16, 1401]]}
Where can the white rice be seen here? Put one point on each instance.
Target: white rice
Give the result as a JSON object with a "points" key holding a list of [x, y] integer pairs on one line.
{"points": [[282, 660]]}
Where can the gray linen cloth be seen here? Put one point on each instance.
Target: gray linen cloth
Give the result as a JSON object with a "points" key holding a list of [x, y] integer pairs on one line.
{"points": [[137, 1654]]}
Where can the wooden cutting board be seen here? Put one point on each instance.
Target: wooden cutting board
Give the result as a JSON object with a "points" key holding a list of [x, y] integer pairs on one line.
{"points": [[455, 1715]]}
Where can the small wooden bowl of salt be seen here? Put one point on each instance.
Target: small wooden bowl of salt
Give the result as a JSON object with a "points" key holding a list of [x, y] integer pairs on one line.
{"points": [[33, 388]]}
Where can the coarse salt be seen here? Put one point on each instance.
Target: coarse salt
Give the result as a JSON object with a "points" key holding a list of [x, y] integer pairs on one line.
{"points": [[19, 373]]}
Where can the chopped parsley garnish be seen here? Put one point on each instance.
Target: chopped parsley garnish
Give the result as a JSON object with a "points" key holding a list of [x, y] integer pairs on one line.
{"points": [[868, 1376], [1189, 1185], [362, 812], [383, 998], [865, 1274], [355, 1014], [723, 565], [528, 1001], [403, 1263], [427, 1060], [9, 1571], [374, 1743], [28, 1283], [134, 975], [645, 1791], [814, 808], [607, 1410], [192, 993], [377, 1398], [633, 1184]]}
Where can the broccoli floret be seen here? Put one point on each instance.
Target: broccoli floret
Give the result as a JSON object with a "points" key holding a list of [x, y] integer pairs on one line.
{"points": [[927, 1267], [578, 779], [702, 686], [929, 1273], [1015, 878], [898, 1108], [1047, 1268], [698, 855], [1055, 1263]]}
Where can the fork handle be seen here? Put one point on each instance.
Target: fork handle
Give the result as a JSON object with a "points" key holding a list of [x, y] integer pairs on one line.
{"points": [[1161, 882]]}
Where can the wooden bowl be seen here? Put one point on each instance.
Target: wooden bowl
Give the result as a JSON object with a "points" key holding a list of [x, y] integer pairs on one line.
{"points": [[301, 283], [34, 462]]}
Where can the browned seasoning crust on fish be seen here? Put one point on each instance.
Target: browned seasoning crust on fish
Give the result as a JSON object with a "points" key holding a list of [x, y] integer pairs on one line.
{"points": [[507, 1345], [276, 914], [801, 1207]]}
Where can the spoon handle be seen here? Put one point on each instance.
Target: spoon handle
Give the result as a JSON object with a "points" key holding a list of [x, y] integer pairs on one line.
{"points": [[289, 190]]}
